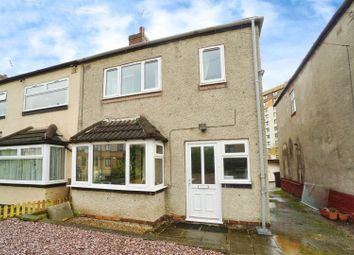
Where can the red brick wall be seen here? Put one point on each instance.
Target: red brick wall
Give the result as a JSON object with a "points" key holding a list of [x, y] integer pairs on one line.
{"points": [[341, 201], [292, 187]]}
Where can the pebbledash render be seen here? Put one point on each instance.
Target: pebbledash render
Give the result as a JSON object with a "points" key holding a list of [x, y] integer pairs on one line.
{"points": [[315, 113], [197, 91], [38, 115], [171, 128]]}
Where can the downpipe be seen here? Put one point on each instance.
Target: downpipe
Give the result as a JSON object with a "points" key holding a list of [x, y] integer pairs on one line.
{"points": [[263, 229]]}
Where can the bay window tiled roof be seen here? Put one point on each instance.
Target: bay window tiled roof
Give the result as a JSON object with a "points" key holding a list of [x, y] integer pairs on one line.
{"points": [[30, 135], [119, 130]]}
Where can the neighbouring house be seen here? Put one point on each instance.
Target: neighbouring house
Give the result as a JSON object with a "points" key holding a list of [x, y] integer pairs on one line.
{"points": [[38, 115], [271, 126], [164, 128], [169, 127], [316, 119]]}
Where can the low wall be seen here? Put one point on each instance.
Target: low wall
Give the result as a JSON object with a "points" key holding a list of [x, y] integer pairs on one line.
{"points": [[134, 206], [341, 201], [19, 194], [292, 187]]}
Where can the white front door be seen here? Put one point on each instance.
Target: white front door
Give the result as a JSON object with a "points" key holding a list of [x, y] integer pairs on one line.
{"points": [[203, 188]]}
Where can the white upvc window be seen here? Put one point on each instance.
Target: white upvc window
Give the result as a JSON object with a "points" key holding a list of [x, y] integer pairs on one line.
{"points": [[46, 95], [212, 65], [32, 164], [235, 162], [3, 95], [134, 165], [292, 102], [159, 164], [133, 78]]}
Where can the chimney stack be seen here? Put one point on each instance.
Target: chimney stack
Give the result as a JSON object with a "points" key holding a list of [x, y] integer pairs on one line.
{"points": [[139, 37], [3, 76]]}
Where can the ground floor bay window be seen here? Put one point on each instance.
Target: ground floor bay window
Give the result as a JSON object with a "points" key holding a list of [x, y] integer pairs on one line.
{"points": [[32, 164], [133, 165]]}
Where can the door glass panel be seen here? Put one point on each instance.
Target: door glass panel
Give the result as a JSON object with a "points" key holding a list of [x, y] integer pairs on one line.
{"points": [[196, 165], [209, 165]]}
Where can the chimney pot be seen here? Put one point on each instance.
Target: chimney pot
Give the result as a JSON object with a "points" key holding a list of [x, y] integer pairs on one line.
{"points": [[139, 37]]}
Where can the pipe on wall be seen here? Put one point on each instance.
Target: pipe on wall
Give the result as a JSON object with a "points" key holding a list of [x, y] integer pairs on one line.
{"points": [[263, 230]]}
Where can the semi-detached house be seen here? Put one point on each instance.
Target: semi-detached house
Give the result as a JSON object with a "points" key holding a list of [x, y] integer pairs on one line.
{"points": [[170, 127]]}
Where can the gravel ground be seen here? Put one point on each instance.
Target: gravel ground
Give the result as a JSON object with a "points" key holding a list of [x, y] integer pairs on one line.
{"points": [[19, 237]]}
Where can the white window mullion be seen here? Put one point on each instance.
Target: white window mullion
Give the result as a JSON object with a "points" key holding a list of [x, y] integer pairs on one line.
{"points": [[46, 164], [90, 165], [73, 164], [119, 82], [150, 164], [202, 164], [127, 164], [142, 76]]}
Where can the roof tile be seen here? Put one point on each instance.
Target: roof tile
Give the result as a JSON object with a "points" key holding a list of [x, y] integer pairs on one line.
{"points": [[118, 130]]}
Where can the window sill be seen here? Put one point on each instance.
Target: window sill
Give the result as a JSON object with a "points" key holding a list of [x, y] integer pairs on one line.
{"points": [[120, 189], [212, 85], [51, 109], [33, 184], [237, 185], [2, 117], [235, 181]]}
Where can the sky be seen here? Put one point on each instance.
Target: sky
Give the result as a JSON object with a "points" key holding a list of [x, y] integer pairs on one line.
{"points": [[36, 34]]}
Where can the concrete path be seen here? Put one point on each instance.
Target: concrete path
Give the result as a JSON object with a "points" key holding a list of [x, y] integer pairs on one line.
{"points": [[296, 229]]}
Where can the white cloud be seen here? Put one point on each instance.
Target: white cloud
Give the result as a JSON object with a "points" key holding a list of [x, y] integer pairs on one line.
{"points": [[108, 28], [162, 21], [53, 40], [323, 8], [40, 33]]}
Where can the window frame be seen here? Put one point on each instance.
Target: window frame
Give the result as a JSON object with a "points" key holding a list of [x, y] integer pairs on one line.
{"points": [[45, 92], [3, 100], [236, 155], [45, 156], [204, 82], [142, 80], [292, 96], [159, 156], [149, 185]]}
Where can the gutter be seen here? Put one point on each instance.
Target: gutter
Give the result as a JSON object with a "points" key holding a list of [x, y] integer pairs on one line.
{"points": [[263, 229]]}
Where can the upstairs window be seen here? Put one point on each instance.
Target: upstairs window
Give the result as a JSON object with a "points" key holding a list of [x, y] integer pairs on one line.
{"points": [[134, 78], [46, 95], [212, 65], [292, 102], [2, 104]]}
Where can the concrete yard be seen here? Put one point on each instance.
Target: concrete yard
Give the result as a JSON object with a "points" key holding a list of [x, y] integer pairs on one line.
{"points": [[296, 229]]}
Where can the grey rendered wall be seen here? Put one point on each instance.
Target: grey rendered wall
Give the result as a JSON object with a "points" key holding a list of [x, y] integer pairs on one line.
{"points": [[322, 130], [181, 106]]}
